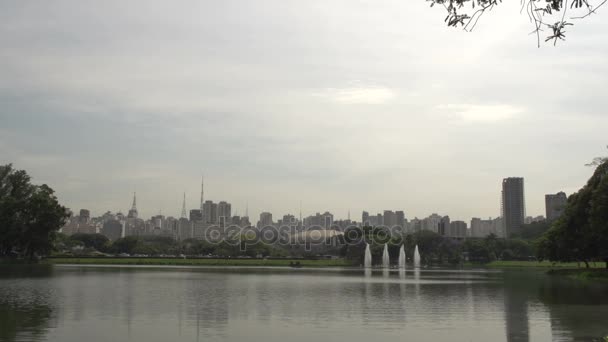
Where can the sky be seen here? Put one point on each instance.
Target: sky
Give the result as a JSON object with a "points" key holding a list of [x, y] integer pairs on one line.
{"points": [[340, 105]]}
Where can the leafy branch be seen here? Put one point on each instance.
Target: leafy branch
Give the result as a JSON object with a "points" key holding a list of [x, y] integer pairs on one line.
{"points": [[466, 14]]}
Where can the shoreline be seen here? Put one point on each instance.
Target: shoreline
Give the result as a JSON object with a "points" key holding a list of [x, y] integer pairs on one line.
{"points": [[595, 271], [543, 265], [200, 262]]}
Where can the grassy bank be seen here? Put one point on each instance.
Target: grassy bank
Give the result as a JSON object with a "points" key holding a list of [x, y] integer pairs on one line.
{"points": [[543, 264], [198, 262]]}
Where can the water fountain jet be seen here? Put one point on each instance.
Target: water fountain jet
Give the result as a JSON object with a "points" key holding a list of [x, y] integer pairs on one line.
{"points": [[367, 261], [402, 257], [386, 262]]}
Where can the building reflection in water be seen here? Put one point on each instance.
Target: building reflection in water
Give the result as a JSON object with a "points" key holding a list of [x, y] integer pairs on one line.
{"points": [[95, 304]]}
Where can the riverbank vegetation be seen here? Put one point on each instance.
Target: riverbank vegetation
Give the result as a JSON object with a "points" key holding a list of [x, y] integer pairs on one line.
{"points": [[201, 262], [581, 233], [542, 264], [30, 216]]}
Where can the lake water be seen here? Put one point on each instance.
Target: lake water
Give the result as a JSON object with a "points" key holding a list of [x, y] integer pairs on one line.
{"points": [[91, 304]]}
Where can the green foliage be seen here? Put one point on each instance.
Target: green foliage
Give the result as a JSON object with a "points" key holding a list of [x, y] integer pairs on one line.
{"points": [[201, 261], [96, 241], [125, 245], [581, 234], [533, 230], [30, 215]]}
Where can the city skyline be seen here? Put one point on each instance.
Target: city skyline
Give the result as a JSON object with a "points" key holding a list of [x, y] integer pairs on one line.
{"points": [[214, 209]]}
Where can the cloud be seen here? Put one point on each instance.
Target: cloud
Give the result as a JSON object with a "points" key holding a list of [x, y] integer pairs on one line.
{"points": [[480, 113], [359, 95]]}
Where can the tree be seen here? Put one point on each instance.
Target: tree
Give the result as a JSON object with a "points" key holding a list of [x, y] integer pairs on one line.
{"points": [[98, 241], [30, 215], [597, 161], [581, 233], [552, 15], [125, 245]]}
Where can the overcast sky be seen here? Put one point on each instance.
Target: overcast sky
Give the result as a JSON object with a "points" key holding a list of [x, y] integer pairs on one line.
{"points": [[342, 104]]}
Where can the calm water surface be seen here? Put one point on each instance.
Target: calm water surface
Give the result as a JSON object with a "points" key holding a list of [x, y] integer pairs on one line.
{"points": [[81, 303]]}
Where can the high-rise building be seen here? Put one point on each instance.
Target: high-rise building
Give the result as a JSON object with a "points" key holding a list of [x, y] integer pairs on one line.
{"points": [[498, 228], [400, 215], [444, 226], [196, 215], [113, 229], [379, 219], [389, 218], [85, 216], [458, 229], [224, 212], [482, 228], [319, 220], [245, 221], [415, 225], [365, 219], [288, 220], [265, 220], [184, 229], [513, 206], [431, 223], [210, 212], [555, 205]]}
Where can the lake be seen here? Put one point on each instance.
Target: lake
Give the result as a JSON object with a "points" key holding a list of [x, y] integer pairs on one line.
{"points": [[66, 303]]}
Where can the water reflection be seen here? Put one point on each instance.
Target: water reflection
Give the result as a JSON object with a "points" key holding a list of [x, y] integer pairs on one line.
{"points": [[25, 311], [181, 304]]}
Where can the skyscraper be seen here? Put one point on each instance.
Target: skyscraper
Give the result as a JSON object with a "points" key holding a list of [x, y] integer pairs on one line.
{"points": [[400, 218], [224, 212], [196, 215], [554, 205], [365, 219], [458, 229], [210, 212], [513, 206], [389, 219], [265, 220], [444, 226]]}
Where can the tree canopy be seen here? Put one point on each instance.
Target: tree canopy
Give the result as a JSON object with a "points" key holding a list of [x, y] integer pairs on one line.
{"points": [[30, 215], [552, 16], [581, 234]]}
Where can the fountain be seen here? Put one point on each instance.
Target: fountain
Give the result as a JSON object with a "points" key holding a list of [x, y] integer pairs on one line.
{"points": [[402, 257], [386, 261], [416, 257], [368, 257]]}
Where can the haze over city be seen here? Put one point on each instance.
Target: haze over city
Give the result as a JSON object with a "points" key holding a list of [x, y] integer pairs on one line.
{"points": [[342, 105]]}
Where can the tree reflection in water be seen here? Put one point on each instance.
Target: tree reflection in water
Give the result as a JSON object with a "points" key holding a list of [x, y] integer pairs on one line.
{"points": [[24, 314]]}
